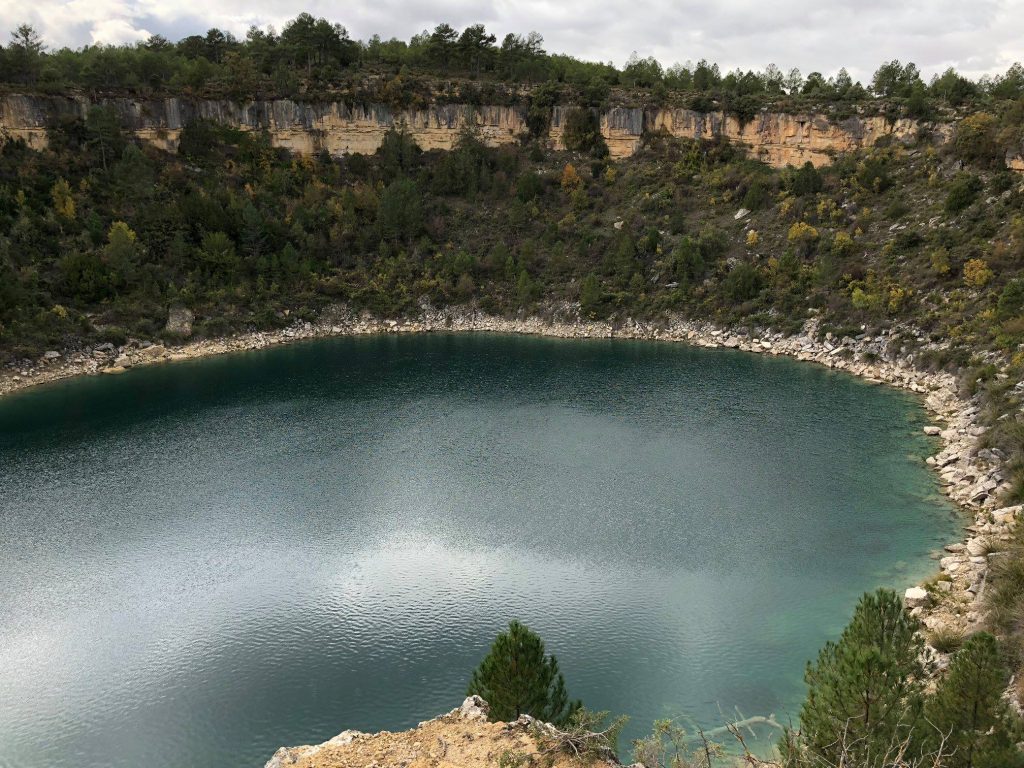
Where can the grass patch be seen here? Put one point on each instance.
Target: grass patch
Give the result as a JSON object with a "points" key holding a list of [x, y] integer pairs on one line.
{"points": [[946, 640]]}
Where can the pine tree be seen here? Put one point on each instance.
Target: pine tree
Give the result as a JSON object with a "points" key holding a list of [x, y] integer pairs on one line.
{"points": [[865, 691], [968, 711], [517, 677]]}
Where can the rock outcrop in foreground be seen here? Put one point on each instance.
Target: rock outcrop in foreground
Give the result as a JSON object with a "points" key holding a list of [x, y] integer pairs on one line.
{"points": [[460, 739]]}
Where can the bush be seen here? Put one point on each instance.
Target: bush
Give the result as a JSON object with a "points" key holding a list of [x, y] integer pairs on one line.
{"points": [[873, 174], [582, 132], [529, 187], [400, 215], [976, 139], [803, 236], [907, 240], [962, 193], [756, 197], [1011, 300], [945, 640], [743, 283], [976, 273], [591, 296], [842, 244], [967, 710], [805, 181]]}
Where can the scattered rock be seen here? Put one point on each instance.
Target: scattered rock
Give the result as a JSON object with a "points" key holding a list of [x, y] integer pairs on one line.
{"points": [[474, 708], [179, 321], [153, 351], [977, 547], [916, 597]]}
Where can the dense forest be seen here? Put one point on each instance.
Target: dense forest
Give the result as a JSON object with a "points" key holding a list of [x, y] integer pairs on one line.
{"points": [[315, 59]]}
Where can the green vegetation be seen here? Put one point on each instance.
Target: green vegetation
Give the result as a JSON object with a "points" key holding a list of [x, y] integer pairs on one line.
{"points": [[868, 704], [971, 721], [517, 677], [671, 746], [316, 59], [865, 693], [100, 234]]}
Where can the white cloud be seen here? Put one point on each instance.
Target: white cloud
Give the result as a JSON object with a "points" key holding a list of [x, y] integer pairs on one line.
{"points": [[116, 32], [984, 36]]}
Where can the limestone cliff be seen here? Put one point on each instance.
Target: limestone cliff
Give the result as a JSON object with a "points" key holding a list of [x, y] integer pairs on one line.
{"points": [[460, 739], [775, 138]]}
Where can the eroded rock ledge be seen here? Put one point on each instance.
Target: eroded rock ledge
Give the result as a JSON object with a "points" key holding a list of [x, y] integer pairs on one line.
{"points": [[340, 128], [462, 738]]}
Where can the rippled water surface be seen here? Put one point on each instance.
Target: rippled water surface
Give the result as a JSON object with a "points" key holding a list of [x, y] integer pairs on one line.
{"points": [[200, 562]]}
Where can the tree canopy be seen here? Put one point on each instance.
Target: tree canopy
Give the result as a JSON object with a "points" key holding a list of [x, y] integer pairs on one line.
{"points": [[313, 56], [517, 677]]}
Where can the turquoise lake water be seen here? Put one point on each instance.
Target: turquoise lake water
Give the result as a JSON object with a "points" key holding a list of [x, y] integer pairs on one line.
{"points": [[202, 561]]}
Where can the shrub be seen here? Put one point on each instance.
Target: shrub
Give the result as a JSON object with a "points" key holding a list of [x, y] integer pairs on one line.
{"points": [[940, 261], [873, 174], [962, 192], [805, 180], [582, 133], [585, 738], [570, 178], [743, 283], [842, 244], [591, 296], [529, 187], [756, 197], [976, 273], [1011, 300], [907, 240], [897, 210], [945, 640], [976, 139], [864, 300], [803, 236], [1001, 182], [670, 746]]}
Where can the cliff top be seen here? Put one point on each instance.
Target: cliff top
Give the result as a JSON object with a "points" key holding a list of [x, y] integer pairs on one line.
{"points": [[463, 737]]}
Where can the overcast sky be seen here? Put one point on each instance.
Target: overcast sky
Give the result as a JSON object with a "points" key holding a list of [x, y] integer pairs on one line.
{"points": [[974, 36]]}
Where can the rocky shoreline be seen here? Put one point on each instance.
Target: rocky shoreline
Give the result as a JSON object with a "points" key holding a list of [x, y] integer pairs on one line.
{"points": [[974, 479]]}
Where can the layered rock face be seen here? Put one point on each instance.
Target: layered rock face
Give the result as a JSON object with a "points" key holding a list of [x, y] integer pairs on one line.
{"points": [[460, 739], [775, 138], [782, 139]]}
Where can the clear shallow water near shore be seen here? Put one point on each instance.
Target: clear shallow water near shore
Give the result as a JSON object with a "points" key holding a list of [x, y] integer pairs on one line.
{"points": [[201, 562]]}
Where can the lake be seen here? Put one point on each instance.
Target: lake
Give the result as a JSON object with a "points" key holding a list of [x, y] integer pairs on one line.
{"points": [[203, 561]]}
